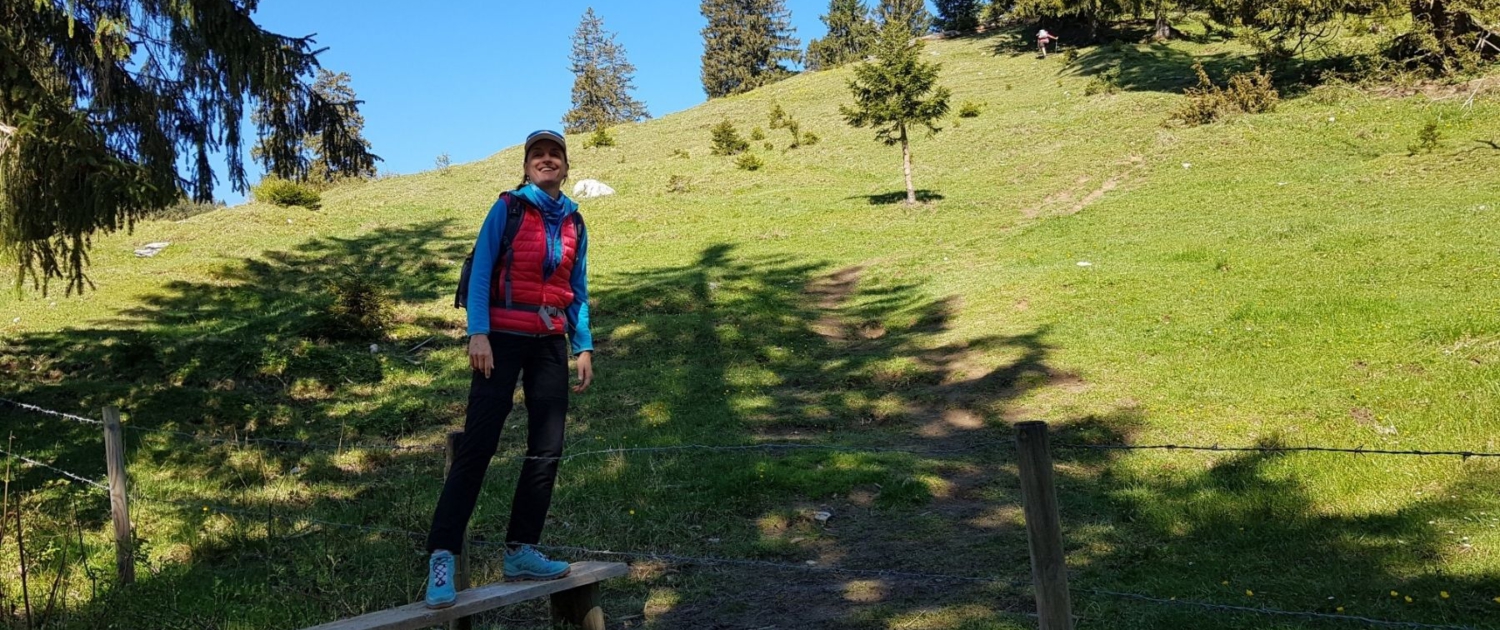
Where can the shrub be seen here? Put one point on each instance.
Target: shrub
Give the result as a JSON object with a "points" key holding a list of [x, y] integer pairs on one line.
{"points": [[681, 153], [810, 138], [1248, 92], [782, 120], [757, 134], [360, 309], [1428, 139], [184, 208], [749, 162], [600, 138], [768, 146], [969, 109], [727, 140], [282, 192], [679, 184], [1070, 57], [1106, 82], [443, 161]]}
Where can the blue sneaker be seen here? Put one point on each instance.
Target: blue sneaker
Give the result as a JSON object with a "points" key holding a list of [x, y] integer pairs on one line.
{"points": [[527, 563], [440, 571]]}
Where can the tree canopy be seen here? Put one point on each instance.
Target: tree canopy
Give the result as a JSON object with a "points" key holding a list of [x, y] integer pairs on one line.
{"points": [[602, 80], [746, 44], [107, 98]]}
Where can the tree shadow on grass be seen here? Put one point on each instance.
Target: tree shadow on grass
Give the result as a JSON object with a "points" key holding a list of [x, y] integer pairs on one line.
{"points": [[899, 196], [730, 350]]}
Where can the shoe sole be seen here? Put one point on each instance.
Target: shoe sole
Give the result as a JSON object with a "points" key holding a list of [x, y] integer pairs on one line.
{"points": [[447, 604], [534, 577]]}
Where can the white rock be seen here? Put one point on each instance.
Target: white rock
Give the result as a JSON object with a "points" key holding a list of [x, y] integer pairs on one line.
{"points": [[822, 517], [1187, 165], [1085, 263], [151, 249], [374, 348], [591, 188]]}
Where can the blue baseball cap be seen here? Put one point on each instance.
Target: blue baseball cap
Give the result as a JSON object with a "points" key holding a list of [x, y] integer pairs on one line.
{"points": [[545, 134]]}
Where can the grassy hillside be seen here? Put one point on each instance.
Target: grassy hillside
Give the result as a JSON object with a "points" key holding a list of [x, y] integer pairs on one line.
{"points": [[1297, 277]]}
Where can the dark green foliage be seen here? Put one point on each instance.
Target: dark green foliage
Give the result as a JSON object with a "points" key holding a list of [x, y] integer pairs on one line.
{"points": [[896, 91], [851, 32], [183, 209], [912, 15], [757, 134], [361, 309], [970, 109], [749, 162], [1106, 82], [602, 80], [320, 168], [746, 44], [600, 138], [727, 140], [1247, 92], [1094, 14], [285, 192], [1452, 36], [809, 138], [957, 15], [782, 120], [165, 84], [1428, 139]]}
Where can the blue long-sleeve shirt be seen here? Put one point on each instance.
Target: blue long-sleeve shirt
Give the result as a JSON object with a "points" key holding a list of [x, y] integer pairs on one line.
{"points": [[487, 248]]}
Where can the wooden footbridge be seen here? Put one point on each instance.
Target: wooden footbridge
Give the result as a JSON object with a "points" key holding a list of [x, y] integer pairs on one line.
{"points": [[575, 602]]}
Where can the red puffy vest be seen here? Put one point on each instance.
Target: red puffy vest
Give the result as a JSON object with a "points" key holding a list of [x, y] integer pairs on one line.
{"points": [[529, 292]]}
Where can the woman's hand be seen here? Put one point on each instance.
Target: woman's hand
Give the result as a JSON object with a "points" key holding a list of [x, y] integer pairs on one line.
{"points": [[480, 356], [585, 372]]}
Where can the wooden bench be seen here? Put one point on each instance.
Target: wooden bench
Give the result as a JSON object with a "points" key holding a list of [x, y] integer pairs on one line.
{"points": [[575, 602]]}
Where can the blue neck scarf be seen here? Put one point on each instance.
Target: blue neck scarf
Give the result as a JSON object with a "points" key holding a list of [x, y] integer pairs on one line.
{"points": [[553, 212]]}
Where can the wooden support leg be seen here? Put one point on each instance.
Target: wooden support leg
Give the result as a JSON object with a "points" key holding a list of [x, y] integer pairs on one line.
{"points": [[578, 608]]}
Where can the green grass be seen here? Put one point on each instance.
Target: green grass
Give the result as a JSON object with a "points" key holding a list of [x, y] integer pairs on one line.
{"points": [[1295, 277]]}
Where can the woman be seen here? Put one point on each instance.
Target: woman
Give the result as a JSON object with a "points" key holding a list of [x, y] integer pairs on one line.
{"points": [[519, 307]]}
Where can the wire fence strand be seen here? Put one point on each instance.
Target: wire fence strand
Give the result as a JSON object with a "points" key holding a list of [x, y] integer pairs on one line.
{"points": [[1360, 450], [71, 475], [1276, 612], [1013, 583]]}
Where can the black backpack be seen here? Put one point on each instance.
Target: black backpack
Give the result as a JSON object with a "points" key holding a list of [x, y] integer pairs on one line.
{"points": [[513, 210]]}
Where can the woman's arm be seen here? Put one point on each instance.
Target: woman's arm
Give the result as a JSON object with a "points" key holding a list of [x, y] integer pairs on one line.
{"points": [[580, 334], [486, 248]]}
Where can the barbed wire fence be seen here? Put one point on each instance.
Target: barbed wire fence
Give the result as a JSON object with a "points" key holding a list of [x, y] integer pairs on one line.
{"points": [[1014, 585]]}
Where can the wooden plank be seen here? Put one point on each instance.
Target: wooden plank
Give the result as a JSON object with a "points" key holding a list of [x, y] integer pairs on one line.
{"points": [[418, 616], [578, 609], [119, 506], [1049, 572]]}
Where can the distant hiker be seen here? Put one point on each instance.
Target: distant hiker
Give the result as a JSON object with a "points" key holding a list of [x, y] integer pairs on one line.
{"points": [[1042, 38], [528, 305]]}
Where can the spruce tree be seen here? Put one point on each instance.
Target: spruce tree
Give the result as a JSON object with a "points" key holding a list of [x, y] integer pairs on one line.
{"points": [[912, 14], [746, 44], [314, 164], [851, 32], [895, 92], [958, 15], [602, 80], [108, 97]]}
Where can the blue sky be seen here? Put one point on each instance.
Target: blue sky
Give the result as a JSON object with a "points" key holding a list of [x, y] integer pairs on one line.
{"points": [[470, 77]]}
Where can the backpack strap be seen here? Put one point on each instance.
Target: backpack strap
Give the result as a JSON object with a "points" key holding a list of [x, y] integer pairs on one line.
{"points": [[514, 214]]}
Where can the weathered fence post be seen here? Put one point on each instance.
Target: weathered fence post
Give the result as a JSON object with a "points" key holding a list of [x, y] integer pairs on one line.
{"points": [[1049, 571], [460, 581], [578, 608], [119, 505]]}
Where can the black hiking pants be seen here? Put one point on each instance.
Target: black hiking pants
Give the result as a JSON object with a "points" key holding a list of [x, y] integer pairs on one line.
{"points": [[541, 363]]}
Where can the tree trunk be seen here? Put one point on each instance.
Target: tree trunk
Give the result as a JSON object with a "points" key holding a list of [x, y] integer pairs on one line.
{"points": [[911, 192], [1163, 29]]}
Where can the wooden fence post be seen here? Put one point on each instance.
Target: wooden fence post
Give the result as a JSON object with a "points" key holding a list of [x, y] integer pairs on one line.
{"points": [[1049, 571], [460, 581], [119, 505]]}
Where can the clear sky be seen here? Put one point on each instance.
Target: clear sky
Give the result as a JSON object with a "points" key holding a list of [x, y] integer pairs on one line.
{"points": [[471, 77]]}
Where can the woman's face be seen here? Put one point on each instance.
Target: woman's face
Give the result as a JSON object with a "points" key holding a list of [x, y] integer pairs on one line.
{"points": [[546, 164]]}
